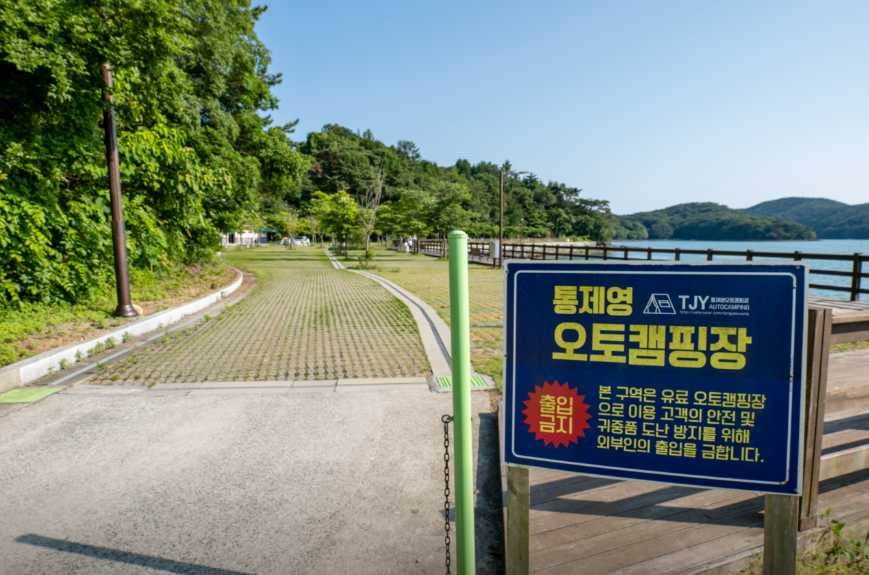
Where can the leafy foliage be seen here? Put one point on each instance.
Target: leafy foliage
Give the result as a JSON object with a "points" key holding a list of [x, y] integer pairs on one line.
{"points": [[196, 156], [199, 155]]}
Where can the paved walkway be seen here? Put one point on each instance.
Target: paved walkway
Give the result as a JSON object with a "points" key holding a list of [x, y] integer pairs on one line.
{"points": [[219, 466], [304, 321], [117, 479]]}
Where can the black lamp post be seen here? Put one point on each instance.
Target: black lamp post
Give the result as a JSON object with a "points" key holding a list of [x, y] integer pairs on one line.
{"points": [[122, 275]]}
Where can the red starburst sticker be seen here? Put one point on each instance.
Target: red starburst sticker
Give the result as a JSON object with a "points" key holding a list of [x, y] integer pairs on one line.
{"points": [[556, 413]]}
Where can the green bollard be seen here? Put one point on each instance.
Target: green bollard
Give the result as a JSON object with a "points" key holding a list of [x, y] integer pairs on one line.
{"points": [[460, 335]]}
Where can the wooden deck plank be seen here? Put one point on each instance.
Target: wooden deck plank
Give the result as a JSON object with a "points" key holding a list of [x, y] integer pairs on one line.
{"points": [[844, 439], [625, 538], [846, 501], [586, 532], [683, 551], [618, 499]]}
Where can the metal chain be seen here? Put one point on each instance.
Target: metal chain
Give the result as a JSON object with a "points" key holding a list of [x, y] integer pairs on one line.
{"points": [[447, 419]]}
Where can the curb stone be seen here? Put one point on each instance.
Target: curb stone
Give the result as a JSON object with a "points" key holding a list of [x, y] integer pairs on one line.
{"points": [[433, 331], [33, 368]]}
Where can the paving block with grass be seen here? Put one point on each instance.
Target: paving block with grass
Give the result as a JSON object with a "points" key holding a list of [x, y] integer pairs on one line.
{"points": [[304, 321]]}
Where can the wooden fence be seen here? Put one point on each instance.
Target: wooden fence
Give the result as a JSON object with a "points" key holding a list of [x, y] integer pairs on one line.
{"points": [[480, 251]]}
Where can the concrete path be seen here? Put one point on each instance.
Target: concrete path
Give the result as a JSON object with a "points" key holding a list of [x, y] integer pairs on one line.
{"points": [[259, 480], [280, 476]]}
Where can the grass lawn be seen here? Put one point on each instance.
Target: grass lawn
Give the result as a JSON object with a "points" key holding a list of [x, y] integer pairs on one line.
{"points": [[34, 328], [428, 278]]}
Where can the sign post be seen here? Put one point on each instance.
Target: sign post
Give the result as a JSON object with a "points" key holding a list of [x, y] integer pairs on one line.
{"points": [[461, 354], [661, 371]]}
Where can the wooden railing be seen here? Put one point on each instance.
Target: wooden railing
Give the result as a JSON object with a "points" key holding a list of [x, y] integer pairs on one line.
{"points": [[853, 266]]}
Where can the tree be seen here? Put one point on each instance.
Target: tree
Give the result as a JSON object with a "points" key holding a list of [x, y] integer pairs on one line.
{"points": [[197, 155], [338, 216], [408, 149], [368, 210], [448, 211]]}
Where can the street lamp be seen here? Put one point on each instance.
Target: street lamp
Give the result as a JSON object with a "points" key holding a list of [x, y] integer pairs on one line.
{"points": [[122, 275], [502, 173]]}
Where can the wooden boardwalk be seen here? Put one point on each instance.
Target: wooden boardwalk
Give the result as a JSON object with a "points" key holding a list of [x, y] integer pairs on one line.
{"points": [[588, 526]]}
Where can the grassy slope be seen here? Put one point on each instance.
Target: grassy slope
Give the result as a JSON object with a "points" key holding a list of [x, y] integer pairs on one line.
{"points": [[35, 328]]}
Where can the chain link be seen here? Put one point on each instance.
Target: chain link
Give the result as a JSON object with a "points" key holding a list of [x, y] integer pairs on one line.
{"points": [[447, 419]]}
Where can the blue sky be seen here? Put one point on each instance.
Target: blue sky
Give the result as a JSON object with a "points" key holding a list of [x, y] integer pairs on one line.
{"points": [[646, 104]]}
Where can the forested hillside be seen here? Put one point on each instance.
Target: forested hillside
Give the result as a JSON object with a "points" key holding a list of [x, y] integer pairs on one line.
{"points": [[708, 221], [424, 199], [199, 154], [828, 218]]}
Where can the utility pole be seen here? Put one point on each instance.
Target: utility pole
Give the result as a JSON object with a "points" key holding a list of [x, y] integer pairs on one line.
{"points": [[122, 274], [503, 173], [501, 219]]}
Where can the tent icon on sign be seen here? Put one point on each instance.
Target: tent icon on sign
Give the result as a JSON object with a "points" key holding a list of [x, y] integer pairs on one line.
{"points": [[659, 304]]}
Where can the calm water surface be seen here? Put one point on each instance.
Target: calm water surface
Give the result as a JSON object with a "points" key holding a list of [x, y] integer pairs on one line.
{"points": [[816, 247]]}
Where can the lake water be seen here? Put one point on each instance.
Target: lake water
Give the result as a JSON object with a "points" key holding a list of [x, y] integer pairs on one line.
{"points": [[815, 247]]}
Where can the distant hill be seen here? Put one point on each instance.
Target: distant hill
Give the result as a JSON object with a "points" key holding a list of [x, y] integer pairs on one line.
{"points": [[828, 218], [708, 221]]}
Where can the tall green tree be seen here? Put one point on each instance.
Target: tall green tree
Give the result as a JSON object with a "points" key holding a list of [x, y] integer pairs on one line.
{"points": [[197, 153]]}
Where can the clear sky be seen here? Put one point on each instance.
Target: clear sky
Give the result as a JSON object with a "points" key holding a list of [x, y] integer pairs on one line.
{"points": [[644, 103]]}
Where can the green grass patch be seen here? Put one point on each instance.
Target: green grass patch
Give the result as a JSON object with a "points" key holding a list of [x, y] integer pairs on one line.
{"points": [[33, 328], [837, 552], [27, 394], [850, 346], [428, 278], [445, 382]]}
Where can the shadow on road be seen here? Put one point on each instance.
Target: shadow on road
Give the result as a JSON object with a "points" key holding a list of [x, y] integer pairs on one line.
{"points": [[108, 554]]}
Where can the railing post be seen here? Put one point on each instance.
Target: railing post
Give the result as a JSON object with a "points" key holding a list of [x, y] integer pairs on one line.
{"points": [[626, 254], [780, 522], [709, 254], [798, 256], [605, 252], [856, 271], [570, 255], [818, 352], [749, 256], [586, 253], [678, 254], [648, 253]]}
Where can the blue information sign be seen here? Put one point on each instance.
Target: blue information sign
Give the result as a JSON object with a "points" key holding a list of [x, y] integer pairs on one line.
{"points": [[670, 372]]}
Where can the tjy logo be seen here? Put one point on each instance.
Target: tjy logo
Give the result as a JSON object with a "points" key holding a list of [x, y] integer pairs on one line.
{"points": [[699, 302], [659, 304]]}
